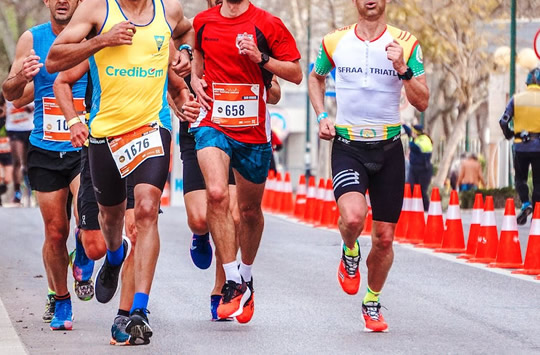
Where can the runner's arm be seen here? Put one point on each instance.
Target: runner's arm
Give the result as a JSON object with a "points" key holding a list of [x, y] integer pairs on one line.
{"points": [[416, 88], [25, 66], [198, 84], [182, 33], [63, 92], [26, 98], [70, 48], [274, 93], [316, 88]]}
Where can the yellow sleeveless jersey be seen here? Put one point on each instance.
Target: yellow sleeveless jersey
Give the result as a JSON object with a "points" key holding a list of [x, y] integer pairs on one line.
{"points": [[527, 111], [130, 81]]}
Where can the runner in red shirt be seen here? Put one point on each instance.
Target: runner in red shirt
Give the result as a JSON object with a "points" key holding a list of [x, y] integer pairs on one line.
{"points": [[240, 48]]}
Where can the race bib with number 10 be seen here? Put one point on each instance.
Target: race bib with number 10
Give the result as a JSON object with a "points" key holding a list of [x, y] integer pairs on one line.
{"points": [[55, 126]]}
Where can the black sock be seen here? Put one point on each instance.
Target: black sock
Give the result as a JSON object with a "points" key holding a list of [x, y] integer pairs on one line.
{"points": [[62, 297], [122, 312]]}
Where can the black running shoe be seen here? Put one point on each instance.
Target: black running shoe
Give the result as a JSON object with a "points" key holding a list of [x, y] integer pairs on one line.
{"points": [[522, 216], [108, 276], [139, 328], [49, 309]]}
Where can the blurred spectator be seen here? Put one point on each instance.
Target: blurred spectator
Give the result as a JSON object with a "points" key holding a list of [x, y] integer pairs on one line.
{"points": [[470, 174], [420, 169]]}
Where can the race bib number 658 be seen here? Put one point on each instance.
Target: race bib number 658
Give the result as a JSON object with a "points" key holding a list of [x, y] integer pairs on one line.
{"points": [[129, 150], [236, 105]]}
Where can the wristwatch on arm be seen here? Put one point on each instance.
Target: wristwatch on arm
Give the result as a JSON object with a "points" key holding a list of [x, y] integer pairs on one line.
{"points": [[265, 58], [407, 75], [187, 48]]}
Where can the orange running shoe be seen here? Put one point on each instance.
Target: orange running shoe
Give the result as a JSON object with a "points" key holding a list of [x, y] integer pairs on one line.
{"points": [[373, 317], [348, 274], [249, 307], [234, 298]]}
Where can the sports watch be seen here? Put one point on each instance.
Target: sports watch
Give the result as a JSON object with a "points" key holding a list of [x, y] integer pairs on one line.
{"points": [[264, 59], [407, 75], [187, 47]]}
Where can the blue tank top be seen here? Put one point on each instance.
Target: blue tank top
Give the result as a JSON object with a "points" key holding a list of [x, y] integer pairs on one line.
{"points": [[50, 128]]}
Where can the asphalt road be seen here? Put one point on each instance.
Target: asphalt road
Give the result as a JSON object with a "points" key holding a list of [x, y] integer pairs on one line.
{"points": [[433, 304]]}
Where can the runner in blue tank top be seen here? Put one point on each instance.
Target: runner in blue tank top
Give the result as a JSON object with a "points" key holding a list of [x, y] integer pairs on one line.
{"points": [[53, 163]]}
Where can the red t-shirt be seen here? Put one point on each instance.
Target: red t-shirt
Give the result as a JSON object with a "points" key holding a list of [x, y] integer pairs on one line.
{"points": [[216, 38]]}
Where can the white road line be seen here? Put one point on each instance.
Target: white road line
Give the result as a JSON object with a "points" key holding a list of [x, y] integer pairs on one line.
{"points": [[9, 340], [431, 252]]}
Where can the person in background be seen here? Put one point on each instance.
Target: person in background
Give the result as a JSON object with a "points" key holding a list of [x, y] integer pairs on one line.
{"points": [[421, 169], [520, 121], [470, 174]]}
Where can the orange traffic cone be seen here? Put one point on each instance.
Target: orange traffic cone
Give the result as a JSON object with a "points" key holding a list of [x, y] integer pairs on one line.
{"points": [[474, 229], [369, 218], [531, 266], [435, 225], [300, 202], [417, 223], [310, 201], [166, 195], [509, 251], [327, 215], [403, 222], [453, 239], [486, 249], [287, 203], [268, 190], [275, 202], [319, 202]]}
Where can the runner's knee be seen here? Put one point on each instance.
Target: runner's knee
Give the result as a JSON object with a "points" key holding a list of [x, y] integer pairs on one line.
{"points": [[146, 211], [94, 244], [218, 196], [354, 217], [197, 223], [383, 241]]}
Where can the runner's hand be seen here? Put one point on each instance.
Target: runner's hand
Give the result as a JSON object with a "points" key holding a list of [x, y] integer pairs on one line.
{"points": [[79, 134], [31, 66], [120, 34], [326, 129], [249, 48], [181, 63], [394, 53], [190, 110], [198, 85]]}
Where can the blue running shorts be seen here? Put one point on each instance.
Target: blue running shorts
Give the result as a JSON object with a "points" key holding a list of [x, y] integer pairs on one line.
{"points": [[252, 161]]}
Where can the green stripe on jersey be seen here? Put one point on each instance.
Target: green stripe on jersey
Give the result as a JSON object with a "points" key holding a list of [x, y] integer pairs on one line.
{"points": [[323, 65], [343, 132], [416, 61], [392, 131]]}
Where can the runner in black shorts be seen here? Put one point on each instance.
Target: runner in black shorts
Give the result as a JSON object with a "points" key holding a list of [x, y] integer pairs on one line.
{"points": [[367, 151]]}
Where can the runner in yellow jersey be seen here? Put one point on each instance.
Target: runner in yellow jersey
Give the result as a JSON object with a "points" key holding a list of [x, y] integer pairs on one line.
{"points": [[128, 49]]}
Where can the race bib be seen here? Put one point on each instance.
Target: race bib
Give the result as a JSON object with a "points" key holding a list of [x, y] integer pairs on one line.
{"points": [[55, 127], [129, 150], [19, 116], [236, 105], [5, 147]]}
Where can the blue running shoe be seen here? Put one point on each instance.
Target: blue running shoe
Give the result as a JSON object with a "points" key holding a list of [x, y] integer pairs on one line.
{"points": [[118, 331], [83, 267], [214, 303], [63, 316], [201, 251]]}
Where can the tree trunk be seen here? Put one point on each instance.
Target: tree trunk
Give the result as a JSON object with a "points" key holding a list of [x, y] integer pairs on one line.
{"points": [[7, 36], [451, 145]]}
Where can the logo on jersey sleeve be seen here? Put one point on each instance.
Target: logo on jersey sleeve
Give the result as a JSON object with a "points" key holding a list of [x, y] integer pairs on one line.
{"points": [[159, 41], [419, 55]]}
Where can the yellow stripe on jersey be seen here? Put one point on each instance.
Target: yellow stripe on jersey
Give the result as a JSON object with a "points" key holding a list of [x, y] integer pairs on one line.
{"points": [[405, 39], [130, 81]]}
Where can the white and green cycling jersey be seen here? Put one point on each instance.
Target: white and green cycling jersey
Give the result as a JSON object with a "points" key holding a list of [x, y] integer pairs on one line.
{"points": [[368, 89]]}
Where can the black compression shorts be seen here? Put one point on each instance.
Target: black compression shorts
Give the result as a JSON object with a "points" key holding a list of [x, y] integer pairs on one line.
{"points": [[357, 166], [110, 188], [193, 178]]}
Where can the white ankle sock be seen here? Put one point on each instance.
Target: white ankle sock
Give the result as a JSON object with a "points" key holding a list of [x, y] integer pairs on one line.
{"points": [[231, 272], [245, 271]]}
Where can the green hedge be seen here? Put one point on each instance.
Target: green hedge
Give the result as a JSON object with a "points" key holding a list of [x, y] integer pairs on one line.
{"points": [[466, 198]]}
